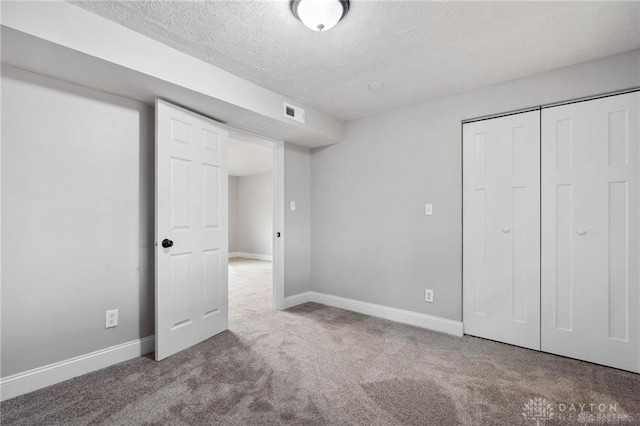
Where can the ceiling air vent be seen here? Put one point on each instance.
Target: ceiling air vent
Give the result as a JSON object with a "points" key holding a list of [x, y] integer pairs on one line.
{"points": [[293, 112]]}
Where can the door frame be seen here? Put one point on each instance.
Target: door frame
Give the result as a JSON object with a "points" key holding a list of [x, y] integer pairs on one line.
{"points": [[277, 147], [278, 225]]}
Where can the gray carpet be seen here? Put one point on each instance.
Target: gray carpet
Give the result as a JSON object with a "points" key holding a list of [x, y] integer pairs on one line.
{"points": [[318, 365]]}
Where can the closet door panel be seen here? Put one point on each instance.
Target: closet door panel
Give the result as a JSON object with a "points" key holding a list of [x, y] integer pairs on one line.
{"points": [[502, 229], [590, 231]]}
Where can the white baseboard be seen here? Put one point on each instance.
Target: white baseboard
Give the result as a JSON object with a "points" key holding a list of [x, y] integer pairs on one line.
{"points": [[298, 299], [399, 315], [253, 256], [51, 374]]}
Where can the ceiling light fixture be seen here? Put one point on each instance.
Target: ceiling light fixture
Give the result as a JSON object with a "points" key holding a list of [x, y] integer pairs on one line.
{"points": [[319, 15], [375, 85]]}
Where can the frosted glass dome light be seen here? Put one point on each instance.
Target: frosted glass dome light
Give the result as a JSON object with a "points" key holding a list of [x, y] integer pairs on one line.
{"points": [[319, 15]]}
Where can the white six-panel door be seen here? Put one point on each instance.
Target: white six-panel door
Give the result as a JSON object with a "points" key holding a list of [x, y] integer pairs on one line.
{"points": [[501, 229], [191, 213], [590, 231]]}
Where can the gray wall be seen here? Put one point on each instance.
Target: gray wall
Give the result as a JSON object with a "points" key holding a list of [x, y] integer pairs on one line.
{"points": [[370, 238], [255, 214], [77, 220], [233, 214], [297, 224]]}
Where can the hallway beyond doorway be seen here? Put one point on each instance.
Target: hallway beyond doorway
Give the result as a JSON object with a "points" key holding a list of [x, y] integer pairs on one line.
{"points": [[250, 291]]}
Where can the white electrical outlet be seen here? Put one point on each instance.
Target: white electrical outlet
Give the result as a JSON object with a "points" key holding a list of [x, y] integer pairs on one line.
{"points": [[112, 319], [428, 295]]}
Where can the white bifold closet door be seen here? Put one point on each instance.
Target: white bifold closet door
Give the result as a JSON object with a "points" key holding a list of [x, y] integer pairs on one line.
{"points": [[590, 231], [501, 229]]}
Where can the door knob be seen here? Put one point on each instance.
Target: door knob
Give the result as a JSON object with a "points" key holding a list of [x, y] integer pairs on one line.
{"points": [[581, 232], [505, 230], [166, 243], [278, 234]]}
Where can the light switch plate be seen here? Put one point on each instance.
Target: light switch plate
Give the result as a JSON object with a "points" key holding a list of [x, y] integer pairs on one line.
{"points": [[293, 206], [428, 209]]}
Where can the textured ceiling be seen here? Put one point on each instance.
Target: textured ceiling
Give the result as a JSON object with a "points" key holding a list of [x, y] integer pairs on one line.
{"points": [[248, 158], [418, 50]]}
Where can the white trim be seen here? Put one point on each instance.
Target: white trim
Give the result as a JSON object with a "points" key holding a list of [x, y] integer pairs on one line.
{"points": [[297, 299], [399, 315], [51, 374], [253, 256], [278, 225]]}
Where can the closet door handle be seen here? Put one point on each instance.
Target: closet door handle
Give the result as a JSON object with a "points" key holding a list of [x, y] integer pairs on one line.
{"points": [[581, 232], [506, 230]]}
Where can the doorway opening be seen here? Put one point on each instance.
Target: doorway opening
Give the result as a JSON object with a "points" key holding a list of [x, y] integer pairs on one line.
{"points": [[253, 225], [192, 224]]}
